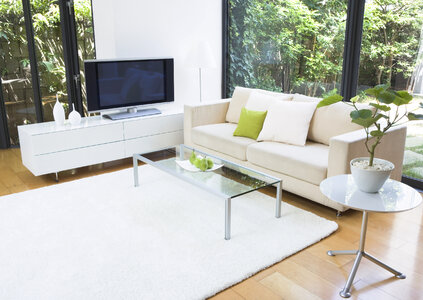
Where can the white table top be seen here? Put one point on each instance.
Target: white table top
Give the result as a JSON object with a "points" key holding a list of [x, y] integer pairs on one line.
{"points": [[49, 127], [394, 196]]}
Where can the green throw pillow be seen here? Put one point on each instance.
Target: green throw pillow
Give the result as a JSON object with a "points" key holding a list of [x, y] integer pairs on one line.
{"points": [[250, 123]]}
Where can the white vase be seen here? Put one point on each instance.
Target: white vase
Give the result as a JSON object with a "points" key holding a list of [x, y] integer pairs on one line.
{"points": [[370, 180], [74, 116], [58, 113]]}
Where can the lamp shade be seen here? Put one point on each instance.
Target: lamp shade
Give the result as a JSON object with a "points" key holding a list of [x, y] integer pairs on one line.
{"points": [[201, 56]]}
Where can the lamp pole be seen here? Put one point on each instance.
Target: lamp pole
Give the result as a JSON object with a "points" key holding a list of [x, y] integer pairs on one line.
{"points": [[199, 72]]}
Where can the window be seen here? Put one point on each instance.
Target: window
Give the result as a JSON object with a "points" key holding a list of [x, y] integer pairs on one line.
{"points": [[16, 79], [391, 53], [39, 61], [290, 46]]}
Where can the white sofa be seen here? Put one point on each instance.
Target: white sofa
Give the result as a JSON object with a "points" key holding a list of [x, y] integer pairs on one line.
{"points": [[332, 142]]}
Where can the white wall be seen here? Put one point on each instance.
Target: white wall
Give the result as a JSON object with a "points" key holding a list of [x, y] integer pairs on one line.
{"points": [[163, 28]]}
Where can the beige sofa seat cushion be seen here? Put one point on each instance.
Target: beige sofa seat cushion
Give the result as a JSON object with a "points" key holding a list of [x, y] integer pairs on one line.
{"points": [[219, 137], [308, 163], [240, 98], [329, 121]]}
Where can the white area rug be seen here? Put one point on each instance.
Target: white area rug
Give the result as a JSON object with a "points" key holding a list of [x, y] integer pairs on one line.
{"points": [[101, 238]]}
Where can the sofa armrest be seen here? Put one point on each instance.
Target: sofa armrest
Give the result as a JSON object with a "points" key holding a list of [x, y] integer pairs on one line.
{"points": [[343, 148], [203, 114]]}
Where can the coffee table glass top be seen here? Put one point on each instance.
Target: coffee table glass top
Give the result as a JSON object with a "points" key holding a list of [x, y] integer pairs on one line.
{"points": [[229, 181]]}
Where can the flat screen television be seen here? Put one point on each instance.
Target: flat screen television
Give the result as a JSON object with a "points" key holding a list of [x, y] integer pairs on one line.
{"points": [[128, 83]]}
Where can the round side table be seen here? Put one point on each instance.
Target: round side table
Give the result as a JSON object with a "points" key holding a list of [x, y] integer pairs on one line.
{"points": [[393, 197]]}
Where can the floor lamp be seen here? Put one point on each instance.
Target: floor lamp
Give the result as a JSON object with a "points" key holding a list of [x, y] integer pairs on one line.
{"points": [[201, 57]]}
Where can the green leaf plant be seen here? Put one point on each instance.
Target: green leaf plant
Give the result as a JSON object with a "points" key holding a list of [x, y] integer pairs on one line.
{"points": [[385, 113]]}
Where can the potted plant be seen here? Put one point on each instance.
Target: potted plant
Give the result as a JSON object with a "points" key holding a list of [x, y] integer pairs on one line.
{"points": [[383, 113]]}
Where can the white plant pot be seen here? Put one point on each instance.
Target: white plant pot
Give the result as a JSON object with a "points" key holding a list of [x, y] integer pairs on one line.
{"points": [[370, 180]]}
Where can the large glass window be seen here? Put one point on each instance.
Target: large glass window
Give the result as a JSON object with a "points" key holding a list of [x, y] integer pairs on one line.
{"points": [[290, 46], [391, 53], [17, 60], [15, 70]]}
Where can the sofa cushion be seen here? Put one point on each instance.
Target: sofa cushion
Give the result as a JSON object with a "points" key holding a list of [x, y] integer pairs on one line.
{"points": [[260, 101], [219, 137], [309, 163], [288, 122], [329, 121], [240, 98], [250, 123], [304, 98]]}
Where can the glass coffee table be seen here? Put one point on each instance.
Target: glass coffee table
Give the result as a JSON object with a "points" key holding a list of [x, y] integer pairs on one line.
{"points": [[228, 182]]}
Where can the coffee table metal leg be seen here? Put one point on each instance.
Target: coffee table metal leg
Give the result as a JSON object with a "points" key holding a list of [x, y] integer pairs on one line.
{"points": [[135, 161], [228, 219], [346, 292], [278, 199]]}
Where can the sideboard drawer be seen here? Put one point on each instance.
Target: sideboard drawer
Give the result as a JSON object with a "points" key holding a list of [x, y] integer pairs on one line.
{"points": [[69, 159], [152, 126], [153, 143], [76, 138]]}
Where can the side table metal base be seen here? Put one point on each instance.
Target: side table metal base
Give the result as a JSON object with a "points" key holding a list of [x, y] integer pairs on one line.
{"points": [[346, 292]]}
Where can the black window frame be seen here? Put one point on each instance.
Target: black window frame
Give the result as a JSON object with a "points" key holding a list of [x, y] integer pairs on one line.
{"points": [[73, 82], [351, 57]]}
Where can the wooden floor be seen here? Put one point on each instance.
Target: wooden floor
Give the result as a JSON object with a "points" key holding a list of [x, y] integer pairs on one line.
{"points": [[397, 239]]}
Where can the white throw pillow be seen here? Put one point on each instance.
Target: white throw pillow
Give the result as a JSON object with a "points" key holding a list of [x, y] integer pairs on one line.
{"points": [[238, 101], [260, 101], [288, 122], [240, 98]]}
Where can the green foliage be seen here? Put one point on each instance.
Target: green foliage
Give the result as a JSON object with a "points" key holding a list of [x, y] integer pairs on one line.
{"points": [[298, 45], [380, 106], [391, 33], [378, 121], [330, 100], [285, 45], [48, 40]]}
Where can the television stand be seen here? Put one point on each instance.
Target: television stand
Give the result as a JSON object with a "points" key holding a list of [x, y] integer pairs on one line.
{"points": [[133, 113], [48, 148]]}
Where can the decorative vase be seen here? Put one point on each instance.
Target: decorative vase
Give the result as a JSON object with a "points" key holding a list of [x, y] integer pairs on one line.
{"points": [[58, 113], [74, 116], [370, 179]]}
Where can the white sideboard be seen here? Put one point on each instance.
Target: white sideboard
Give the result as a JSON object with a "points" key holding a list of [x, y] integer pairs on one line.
{"points": [[47, 148]]}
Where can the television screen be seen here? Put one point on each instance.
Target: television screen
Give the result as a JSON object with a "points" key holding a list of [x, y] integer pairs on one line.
{"points": [[123, 83]]}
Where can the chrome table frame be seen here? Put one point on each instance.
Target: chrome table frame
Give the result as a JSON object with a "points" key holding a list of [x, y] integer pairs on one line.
{"points": [[346, 292], [228, 200]]}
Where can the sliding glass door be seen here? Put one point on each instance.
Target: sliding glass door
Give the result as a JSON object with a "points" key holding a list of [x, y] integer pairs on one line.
{"points": [[42, 46], [16, 79]]}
